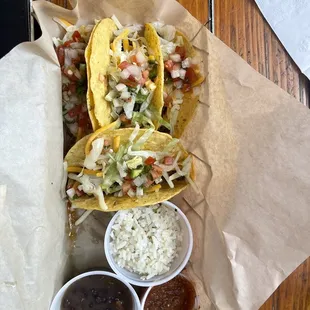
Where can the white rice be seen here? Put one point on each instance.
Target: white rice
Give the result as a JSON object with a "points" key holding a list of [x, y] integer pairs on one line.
{"points": [[146, 240]]}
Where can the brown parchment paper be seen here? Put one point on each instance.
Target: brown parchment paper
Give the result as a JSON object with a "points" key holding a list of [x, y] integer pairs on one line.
{"points": [[251, 144]]}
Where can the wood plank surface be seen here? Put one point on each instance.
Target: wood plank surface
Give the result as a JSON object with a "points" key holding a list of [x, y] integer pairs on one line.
{"points": [[241, 26]]}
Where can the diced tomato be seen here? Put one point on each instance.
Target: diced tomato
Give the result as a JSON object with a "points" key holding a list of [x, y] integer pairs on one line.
{"points": [[128, 178], [190, 76], [156, 172], [177, 79], [148, 183], [67, 43], [123, 65], [126, 186], [79, 193], [186, 88], [181, 51], [60, 51], [133, 58], [83, 120], [76, 37], [150, 161], [132, 78], [129, 83], [124, 119], [72, 88], [142, 81], [77, 60], [169, 65], [168, 160], [168, 101], [75, 111], [145, 74]]}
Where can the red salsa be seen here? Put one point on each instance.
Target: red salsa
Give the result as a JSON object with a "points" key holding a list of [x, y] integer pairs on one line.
{"points": [[177, 294]]}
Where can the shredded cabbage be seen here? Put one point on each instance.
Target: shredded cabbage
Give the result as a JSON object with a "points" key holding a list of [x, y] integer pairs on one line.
{"points": [[83, 217], [140, 118], [134, 133], [166, 177], [143, 139]]}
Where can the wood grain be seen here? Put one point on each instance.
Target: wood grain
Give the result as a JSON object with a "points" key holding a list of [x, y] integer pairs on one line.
{"points": [[241, 26], [241, 20]]}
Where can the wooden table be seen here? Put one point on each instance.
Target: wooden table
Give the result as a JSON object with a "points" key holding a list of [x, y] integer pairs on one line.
{"points": [[241, 26]]}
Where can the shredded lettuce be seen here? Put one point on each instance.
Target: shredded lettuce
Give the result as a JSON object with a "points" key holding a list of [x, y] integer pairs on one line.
{"points": [[135, 132], [143, 139], [142, 120]]}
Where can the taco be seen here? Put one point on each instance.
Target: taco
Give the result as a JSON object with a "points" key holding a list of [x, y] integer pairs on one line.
{"points": [[70, 52], [125, 81], [181, 74], [112, 170]]}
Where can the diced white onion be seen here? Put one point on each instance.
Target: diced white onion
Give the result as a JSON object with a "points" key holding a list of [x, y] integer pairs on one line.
{"points": [[186, 63], [121, 87], [139, 181], [175, 57], [125, 74], [125, 95], [117, 102], [71, 192], [175, 74], [139, 191], [111, 95], [131, 193], [140, 57], [182, 73], [135, 71], [129, 106]]}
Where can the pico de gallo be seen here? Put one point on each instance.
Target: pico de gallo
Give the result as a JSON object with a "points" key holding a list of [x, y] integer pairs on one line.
{"points": [[182, 72], [127, 170], [70, 52], [131, 78]]}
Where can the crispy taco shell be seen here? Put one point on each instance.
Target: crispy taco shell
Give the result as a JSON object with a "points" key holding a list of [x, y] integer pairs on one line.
{"points": [[156, 142], [98, 59]]}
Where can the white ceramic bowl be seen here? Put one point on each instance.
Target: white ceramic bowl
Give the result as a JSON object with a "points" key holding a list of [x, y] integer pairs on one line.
{"points": [[176, 267], [58, 298]]}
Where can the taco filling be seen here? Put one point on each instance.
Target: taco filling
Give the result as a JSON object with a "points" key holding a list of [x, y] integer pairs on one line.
{"points": [[128, 169], [70, 52], [181, 71], [129, 76]]}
